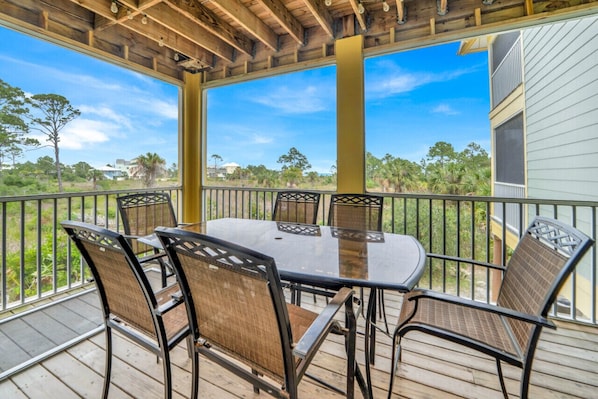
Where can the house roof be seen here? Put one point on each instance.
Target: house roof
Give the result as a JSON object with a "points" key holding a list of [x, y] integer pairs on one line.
{"points": [[239, 39]]}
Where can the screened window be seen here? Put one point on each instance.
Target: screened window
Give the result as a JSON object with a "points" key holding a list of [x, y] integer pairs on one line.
{"points": [[509, 152]]}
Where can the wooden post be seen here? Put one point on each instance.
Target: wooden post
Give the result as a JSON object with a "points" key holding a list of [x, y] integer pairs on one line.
{"points": [[350, 107], [192, 148]]}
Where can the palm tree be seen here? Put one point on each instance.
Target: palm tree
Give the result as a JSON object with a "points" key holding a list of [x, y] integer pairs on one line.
{"points": [[148, 167], [94, 175]]}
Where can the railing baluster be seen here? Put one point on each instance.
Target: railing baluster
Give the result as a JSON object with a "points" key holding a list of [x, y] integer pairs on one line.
{"points": [[22, 259], [4, 294], [38, 252]]}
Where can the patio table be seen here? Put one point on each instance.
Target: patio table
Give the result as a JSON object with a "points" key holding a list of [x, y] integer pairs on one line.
{"points": [[325, 256]]}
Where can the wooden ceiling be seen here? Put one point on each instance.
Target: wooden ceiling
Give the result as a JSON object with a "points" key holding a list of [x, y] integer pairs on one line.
{"points": [[238, 39]]}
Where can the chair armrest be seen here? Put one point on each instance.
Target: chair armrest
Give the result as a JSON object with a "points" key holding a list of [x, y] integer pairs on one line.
{"points": [[176, 298], [149, 258], [506, 312], [316, 333], [466, 260]]}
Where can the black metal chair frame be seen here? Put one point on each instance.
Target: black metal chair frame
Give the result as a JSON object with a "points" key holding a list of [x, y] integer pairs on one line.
{"points": [[299, 199], [185, 246], [116, 247], [146, 200], [356, 201], [282, 213], [364, 203], [556, 240]]}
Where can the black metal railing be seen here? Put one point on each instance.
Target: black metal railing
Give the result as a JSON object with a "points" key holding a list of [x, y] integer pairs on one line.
{"points": [[36, 258], [36, 254]]}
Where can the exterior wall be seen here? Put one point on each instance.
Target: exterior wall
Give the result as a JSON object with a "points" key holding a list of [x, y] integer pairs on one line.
{"points": [[561, 99], [561, 109]]}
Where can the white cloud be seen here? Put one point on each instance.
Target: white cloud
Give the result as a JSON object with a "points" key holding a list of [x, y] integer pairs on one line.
{"points": [[261, 139], [106, 113], [289, 100], [79, 134], [393, 79], [160, 107], [445, 109]]}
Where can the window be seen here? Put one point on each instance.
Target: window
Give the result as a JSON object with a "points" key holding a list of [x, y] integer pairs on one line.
{"points": [[509, 151], [251, 125]]}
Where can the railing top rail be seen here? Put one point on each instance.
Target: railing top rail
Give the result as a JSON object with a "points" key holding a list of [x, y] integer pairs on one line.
{"points": [[438, 197], [265, 189], [14, 198]]}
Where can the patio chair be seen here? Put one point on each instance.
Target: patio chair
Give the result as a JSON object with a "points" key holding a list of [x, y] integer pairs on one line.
{"points": [[296, 207], [356, 211], [141, 213], [155, 320], [236, 308], [508, 331], [359, 212]]}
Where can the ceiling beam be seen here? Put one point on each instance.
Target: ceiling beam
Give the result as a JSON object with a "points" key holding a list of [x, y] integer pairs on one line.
{"points": [[361, 16], [175, 25], [249, 21], [166, 38], [212, 23], [322, 15], [285, 19]]}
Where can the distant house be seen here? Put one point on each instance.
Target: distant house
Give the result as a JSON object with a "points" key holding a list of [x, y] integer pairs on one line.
{"points": [[222, 171], [124, 166], [111, 173], [230, 167]]}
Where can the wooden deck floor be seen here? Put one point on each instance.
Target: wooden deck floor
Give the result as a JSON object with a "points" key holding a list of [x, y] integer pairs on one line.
{"points": [[566, 366]]}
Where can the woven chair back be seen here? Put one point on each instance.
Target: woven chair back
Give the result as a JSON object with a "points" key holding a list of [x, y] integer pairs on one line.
{"points": [[539, 266], [356, 211], [236, 302], [121, 290], [142, 213], [296, 207]]}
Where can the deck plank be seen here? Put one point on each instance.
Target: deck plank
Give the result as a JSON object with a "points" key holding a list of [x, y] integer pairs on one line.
{"points": [[21, 336], [11, 354]]}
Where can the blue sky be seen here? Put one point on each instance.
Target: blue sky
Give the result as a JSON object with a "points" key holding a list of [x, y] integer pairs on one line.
{"points": [[413, 100]]}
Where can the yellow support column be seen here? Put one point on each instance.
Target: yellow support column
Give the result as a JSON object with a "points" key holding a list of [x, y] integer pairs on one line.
{"points": [[350, 107], [192, 148]]}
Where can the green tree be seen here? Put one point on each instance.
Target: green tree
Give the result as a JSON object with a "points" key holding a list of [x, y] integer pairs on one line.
{"points": [[148, 167], [294, 163], [45, 166], [440, 154], [13, 128], [264, 177], [81, 169], [56, 112], [94, 176], [216, 158], [294, 159], [173, 171], [373, 170], [401, 174]]}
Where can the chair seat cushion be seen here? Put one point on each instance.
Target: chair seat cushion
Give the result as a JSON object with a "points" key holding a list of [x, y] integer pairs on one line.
{"points": [[300, 319], [470, 323], [175, 320]]}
